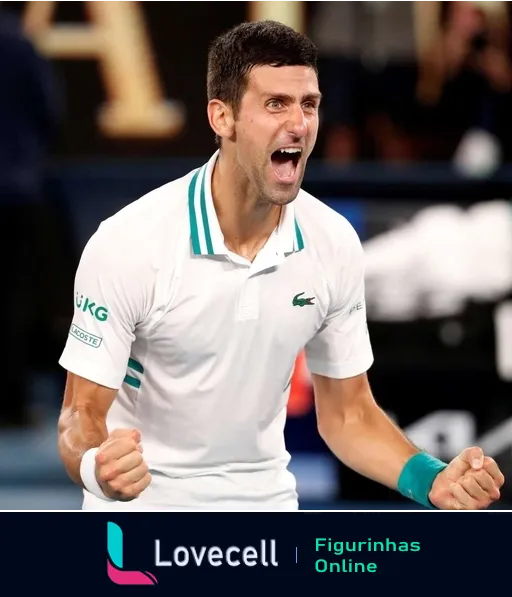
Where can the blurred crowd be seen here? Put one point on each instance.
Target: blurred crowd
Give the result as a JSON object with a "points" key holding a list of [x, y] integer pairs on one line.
{"points": [[403, 82], [412, 81]]}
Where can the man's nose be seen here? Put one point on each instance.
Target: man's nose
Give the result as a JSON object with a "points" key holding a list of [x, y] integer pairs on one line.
{"points": [[297, 123]]}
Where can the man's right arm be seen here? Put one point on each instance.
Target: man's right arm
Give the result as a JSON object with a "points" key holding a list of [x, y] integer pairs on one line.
{"points": [[119, 467], [82, 421], [113, 296]]}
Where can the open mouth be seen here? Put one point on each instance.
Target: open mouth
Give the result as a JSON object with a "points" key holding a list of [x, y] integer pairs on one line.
{"points": [[285, 162]]}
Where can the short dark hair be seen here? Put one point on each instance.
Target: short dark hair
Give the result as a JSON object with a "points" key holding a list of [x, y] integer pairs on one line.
{"points": [[235, 53]]}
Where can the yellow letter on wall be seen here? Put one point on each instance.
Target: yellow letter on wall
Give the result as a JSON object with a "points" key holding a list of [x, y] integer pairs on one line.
{"points": [[289, 13], [117, 38]]}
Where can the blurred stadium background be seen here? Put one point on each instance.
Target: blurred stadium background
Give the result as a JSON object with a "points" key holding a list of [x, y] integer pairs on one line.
{"points": [[102, 101]]}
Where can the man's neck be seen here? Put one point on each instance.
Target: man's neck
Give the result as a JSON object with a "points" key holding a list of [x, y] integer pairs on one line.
{"points": [[246, 222]]}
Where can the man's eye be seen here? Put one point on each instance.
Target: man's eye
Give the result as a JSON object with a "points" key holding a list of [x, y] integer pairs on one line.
{"points": [[274, 104]]}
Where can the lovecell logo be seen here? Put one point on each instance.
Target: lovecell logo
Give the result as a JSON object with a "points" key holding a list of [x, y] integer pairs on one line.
{"points": [[115, 569]]}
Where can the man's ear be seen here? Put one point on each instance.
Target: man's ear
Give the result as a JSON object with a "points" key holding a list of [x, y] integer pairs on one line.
{"points": [[221, 118]]}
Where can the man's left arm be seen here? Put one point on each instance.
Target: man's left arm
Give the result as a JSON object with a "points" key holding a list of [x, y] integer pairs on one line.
{"points": [[358, 431], [364, 438], [352, 424]]}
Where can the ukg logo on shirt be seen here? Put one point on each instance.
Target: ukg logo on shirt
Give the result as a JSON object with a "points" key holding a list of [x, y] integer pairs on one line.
{"points": [[116, 572]]}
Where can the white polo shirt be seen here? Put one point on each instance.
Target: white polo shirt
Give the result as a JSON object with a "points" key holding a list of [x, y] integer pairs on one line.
{"points": [[201, 343]]}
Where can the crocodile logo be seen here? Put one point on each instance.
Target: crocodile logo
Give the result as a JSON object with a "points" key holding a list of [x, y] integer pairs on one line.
{"points": [[302, 302]]}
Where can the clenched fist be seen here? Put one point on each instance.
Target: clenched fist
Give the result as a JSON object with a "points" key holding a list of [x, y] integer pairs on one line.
{"points": [[471, 481], [120, 468]]}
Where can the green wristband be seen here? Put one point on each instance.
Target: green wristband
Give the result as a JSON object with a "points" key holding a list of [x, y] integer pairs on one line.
{"points": [[417, 476]]}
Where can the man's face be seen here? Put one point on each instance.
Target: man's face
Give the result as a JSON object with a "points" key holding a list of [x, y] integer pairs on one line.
{"points": [[276, 129]]}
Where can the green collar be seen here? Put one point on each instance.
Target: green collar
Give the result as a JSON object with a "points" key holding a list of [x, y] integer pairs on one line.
{"points": [[205, 232]]}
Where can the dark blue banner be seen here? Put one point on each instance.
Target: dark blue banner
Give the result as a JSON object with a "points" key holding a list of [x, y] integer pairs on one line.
{"points": [[408, 553]]}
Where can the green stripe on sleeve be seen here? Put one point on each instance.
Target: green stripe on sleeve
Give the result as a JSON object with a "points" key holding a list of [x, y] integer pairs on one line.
{"points": [[135, 365], [131, 381]]}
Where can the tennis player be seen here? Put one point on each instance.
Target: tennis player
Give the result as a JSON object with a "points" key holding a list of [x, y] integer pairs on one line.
{"points": [[193, 302]]}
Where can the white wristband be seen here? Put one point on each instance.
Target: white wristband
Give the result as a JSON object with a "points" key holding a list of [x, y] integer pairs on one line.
{"points": [[88, 475]]}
